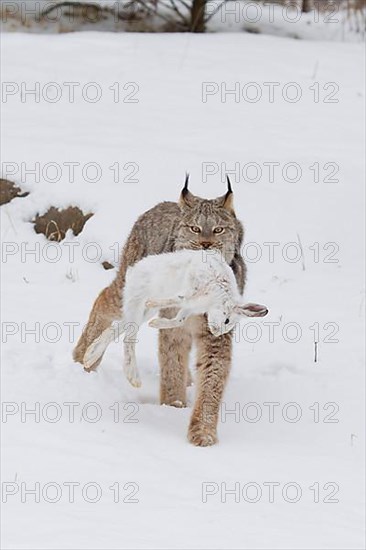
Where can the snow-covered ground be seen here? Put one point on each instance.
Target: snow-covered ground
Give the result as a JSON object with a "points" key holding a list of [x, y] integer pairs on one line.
{"points": [[171, 494]]}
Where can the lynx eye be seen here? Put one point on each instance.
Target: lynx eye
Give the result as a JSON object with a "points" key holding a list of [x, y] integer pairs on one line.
{"points": [[195, 229], [218, 230]]}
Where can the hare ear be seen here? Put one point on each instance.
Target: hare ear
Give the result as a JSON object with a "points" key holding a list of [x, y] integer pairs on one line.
{"points": [[186, 198], [226, 201], [251, 310]]}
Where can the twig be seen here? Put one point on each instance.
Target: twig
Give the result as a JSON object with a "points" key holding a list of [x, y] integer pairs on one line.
{"points": [[147, 7], [302, 252], [208, 17], [174, 8], [96, 6], [185, 5]]}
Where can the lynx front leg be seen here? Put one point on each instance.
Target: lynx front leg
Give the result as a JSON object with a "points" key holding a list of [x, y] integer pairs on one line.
{"points": [[213, 366], [174, 348]]}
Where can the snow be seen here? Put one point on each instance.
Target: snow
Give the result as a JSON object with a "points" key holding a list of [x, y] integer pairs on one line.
{"points": [[168, 131]]}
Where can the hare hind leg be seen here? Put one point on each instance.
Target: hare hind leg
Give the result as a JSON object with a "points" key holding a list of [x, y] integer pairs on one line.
{"points": [[177, 321], [130, 365], [135, 314], [106, 309], [169, 302], [97, 348]]}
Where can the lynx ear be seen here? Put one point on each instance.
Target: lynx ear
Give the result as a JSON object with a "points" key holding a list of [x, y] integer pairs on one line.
{"points": [[251, 310], [226, 201], [186, 198]]}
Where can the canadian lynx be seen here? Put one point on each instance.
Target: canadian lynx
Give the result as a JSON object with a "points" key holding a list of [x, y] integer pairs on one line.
{"points": [[193, 223]]}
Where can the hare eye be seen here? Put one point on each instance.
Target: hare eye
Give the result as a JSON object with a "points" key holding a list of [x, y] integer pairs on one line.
{"points": [[195, 229], [227, 321], [218, 230]]}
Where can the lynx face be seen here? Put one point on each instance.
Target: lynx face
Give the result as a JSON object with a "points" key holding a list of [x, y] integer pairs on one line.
{"points": [[208, 224]]}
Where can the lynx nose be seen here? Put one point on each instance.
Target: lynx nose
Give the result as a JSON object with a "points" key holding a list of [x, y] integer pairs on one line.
{"points": [[205, 244]]}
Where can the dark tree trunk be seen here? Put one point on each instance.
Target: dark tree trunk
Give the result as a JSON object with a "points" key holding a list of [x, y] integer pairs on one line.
{"points": [[198, 16], [306, 6]]}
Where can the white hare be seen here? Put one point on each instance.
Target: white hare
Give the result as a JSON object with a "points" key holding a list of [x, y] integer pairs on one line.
{"points": [[192, 281]]}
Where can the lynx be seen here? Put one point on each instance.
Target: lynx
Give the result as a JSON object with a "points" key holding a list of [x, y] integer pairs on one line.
{"points": [[191, 280], [192, 223]]}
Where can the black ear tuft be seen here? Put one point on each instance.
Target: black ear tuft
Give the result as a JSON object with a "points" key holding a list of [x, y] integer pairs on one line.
{"points": [[229, 189], [186, 197], [185, 188], [226, 201]]}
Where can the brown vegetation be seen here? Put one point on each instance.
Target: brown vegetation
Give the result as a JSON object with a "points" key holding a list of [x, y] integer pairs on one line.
{"points": [[55, 223], [9, 191]]}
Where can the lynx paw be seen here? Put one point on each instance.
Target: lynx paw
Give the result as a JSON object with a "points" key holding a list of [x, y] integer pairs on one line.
{"points": [[201, 436], [178, 404]]}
